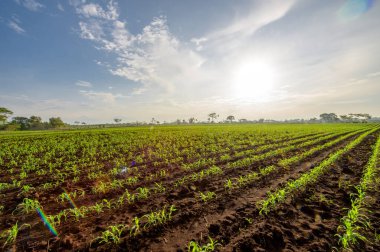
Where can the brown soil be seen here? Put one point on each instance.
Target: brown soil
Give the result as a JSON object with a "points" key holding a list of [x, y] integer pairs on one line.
{"points": [[307, 222]]}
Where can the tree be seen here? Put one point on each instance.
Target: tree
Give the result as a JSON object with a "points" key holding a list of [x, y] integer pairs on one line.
{"points": [[23, 122], [230, 118], [56, 122], [192, 120], [329, 117], [117, 120], [360, 117], [4, 114], [35, 122], [213, 116]]}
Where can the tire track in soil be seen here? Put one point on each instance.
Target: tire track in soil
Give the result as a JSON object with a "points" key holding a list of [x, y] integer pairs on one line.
{"points": [[309, 222], [197, 222]]}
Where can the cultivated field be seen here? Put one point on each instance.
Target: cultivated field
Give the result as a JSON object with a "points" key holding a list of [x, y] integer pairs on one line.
{"points": [[192, 188]]}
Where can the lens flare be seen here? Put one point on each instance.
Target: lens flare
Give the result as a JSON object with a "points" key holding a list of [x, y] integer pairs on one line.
{"points": [[67, 196], [353, 9], [46, 221]]}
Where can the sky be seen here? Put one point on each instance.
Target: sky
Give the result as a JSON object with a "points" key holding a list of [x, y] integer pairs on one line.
{"points": [[93, 61]]}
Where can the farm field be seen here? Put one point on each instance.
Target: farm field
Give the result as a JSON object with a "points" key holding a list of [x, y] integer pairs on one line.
{"points": [[235, 187]]}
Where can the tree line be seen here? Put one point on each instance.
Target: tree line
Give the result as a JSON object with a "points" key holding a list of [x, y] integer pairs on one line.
{"points": [[36, 123], [25, 123]]}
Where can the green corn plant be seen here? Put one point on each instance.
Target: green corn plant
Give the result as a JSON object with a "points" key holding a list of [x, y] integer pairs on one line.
{"points": [[195, 247], [159, 188], [107, 203], [143, 193], [228, 184], [207, 196], [98, 207], [10, 235], [135, 229], [28, 205], [112, 234]]}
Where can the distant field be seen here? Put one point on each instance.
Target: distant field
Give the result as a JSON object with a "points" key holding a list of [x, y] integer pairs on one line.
{"points": [[198, 188]]}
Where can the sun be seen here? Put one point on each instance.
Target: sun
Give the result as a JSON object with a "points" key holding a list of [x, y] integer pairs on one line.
{"points": [[253, 80]]}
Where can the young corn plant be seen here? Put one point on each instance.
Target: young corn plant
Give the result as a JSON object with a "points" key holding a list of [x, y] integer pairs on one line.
{"points": [[143, 193], [112, 234], [228, 185], [135, 229], [160, 217], [28, 205], [207, 196], [10, 235], [195, 247]]}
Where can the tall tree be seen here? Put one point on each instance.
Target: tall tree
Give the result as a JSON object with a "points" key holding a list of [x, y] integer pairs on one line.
{"points": [[56, 122], [213, 116], [23, 122], [117, 120], [230, 118], [329, 117], [35, 122], [4, 114]]}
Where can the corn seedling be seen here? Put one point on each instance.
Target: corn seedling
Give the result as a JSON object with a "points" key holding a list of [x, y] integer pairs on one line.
{"points": [[207, 196], [195, 247]]}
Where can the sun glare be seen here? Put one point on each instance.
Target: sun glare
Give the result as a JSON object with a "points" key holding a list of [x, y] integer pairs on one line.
{"points": [[253, 80]]}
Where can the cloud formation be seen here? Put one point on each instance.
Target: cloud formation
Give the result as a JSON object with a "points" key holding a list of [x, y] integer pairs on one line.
{"points": [[82, 83], [15, 25], [154, 57], [104, 97], [32, 5]]}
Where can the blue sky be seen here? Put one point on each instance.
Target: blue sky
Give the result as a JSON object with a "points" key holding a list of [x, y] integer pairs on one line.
{"points": [[94, 61]]}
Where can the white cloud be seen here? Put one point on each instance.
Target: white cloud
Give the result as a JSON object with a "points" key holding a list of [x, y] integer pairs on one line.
{"points": [[95, 10], [60, 7], [32, 5], [105, 97], [81, 83], [16, 27], [153, 57], [236, 32], [373, 75]]}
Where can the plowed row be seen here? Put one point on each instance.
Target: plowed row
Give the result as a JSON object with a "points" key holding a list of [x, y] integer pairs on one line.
{"points": [[250, 157]]}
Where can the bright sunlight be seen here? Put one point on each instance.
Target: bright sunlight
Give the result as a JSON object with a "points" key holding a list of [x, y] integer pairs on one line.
{"points": [[253, 80]]}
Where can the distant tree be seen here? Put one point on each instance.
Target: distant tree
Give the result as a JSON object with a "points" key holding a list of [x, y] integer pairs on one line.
{"points": [[77, 122], [261, 120], [243, 120], [83, 123], [4, 114], [360, 117], [192, 120], [35, 122], [117, 120], [345, 118], [329, 117], [178, 121], [314, 119], [56, 122], [157, 122], [213, 116], [230, 118], [23, 122]]}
